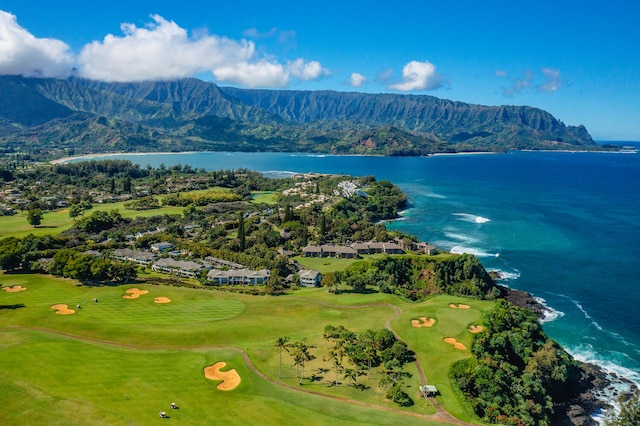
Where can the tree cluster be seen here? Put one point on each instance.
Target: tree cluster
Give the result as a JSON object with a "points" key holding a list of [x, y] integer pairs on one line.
{"points": [[517, 372]]}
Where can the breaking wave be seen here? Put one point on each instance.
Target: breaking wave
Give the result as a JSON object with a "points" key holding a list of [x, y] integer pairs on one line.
{"points": [[550, 314], [471, 218], [472, 250]]}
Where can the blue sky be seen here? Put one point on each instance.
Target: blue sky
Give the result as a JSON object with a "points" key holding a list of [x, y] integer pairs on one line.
{"points": [[579, 60]]}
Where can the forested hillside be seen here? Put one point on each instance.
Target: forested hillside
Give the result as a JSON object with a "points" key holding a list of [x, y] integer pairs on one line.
{"points": [[83, 116]]}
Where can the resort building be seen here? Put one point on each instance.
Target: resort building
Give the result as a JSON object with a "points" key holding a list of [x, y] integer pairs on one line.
{"points": [[238, 276], [309, 278], [375, 247], [327, 250], [142, 258], [182, 268], [161, 247]]}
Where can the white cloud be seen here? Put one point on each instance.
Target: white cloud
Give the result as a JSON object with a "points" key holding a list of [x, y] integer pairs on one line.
{"points": [[553, 82], [357, 79], [303, 70], [418, 76], [267, 73], [23, 54], [259, 74], [502, 73], [162, 50]]}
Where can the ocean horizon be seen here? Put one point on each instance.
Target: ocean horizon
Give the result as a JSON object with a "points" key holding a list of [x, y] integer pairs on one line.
{"points": [[560, 225]]}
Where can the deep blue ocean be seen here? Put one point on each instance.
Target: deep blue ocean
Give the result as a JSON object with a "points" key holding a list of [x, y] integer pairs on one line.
{"points": [[562, 226]]}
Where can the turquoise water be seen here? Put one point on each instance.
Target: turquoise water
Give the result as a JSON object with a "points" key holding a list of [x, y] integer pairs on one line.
{"points": [[562, 226]]}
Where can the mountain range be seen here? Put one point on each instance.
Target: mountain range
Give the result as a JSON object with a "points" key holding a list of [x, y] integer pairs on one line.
{"points": [[85, 116]]}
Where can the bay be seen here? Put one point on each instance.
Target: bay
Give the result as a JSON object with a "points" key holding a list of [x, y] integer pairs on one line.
{"points": [[562, 226]]}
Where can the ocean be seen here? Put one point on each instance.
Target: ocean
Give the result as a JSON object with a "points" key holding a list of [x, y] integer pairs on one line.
{"points": [[563, 226]]}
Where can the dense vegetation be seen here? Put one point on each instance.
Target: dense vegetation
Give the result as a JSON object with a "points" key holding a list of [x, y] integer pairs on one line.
{"points": [[417, 277], [74, 116], [516, 372]]}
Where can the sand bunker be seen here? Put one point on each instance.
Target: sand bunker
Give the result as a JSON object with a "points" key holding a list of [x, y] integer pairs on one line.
{"points": [[14, 289], [230, 378], [455, 343], [459, 306], [161, 300], [475, 328], [134, 293], [423, 322], [62, 309]]}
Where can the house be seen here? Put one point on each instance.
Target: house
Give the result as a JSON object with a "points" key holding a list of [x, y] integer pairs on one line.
{"points": [[424, 248], [375, 247], [182, 268], [161, 247], [392, 248], [327, 250], [238, 276], [309, 278], [142, 258], [312, 251]]}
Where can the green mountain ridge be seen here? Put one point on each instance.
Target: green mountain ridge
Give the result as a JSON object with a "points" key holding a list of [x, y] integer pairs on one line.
{"points": [[90, 116]]}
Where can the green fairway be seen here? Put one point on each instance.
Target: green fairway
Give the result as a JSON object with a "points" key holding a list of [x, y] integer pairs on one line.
{"points": [[324, 264], [264, 197], [57, 221], [155, 354]]}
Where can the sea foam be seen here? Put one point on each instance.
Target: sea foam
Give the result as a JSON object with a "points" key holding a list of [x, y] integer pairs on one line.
{"points": [[472, 250], [471, 218], [550, 314]]}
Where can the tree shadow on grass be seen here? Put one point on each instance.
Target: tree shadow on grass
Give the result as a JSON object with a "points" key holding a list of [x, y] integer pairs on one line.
{"points": [[14, 306]]}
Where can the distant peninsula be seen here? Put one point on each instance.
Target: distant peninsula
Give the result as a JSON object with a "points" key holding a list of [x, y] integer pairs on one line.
{"points": [[54, 118]]}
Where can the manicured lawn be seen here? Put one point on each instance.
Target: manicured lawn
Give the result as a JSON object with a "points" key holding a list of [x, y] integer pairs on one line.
{"points": [[59, 220], [324, 264], [77, 368], [265, 197]]}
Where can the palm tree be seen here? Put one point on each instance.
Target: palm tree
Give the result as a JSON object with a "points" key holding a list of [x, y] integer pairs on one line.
{"points": [[351, 374], [301, 355], [282, 343]]}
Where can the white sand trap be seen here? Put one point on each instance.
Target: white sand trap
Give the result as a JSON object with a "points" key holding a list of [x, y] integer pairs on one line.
{"points": [[459, 306], [423, 322], [231, 379], [14, 289], [62, 309], [455, 343], [475, 329], [161, 299], [134, 293]]}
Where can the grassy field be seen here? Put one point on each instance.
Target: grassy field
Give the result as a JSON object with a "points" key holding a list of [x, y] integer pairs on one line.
{"points": [[266, 197], [59, 220], [121, 361]]}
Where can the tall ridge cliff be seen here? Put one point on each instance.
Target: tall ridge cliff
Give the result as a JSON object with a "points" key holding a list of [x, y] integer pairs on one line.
{"points": [[193, 114]]}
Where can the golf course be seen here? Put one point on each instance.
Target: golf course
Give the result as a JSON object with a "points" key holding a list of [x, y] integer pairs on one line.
{"points": [[121, 354]]}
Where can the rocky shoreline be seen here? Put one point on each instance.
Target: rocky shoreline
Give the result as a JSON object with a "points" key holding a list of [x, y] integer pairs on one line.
{"points": [[596, 388]]}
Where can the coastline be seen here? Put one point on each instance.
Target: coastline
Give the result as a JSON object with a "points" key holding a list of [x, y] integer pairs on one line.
{"points": [[438, 154], [598, 387], [109, 154], [89, 156]]}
